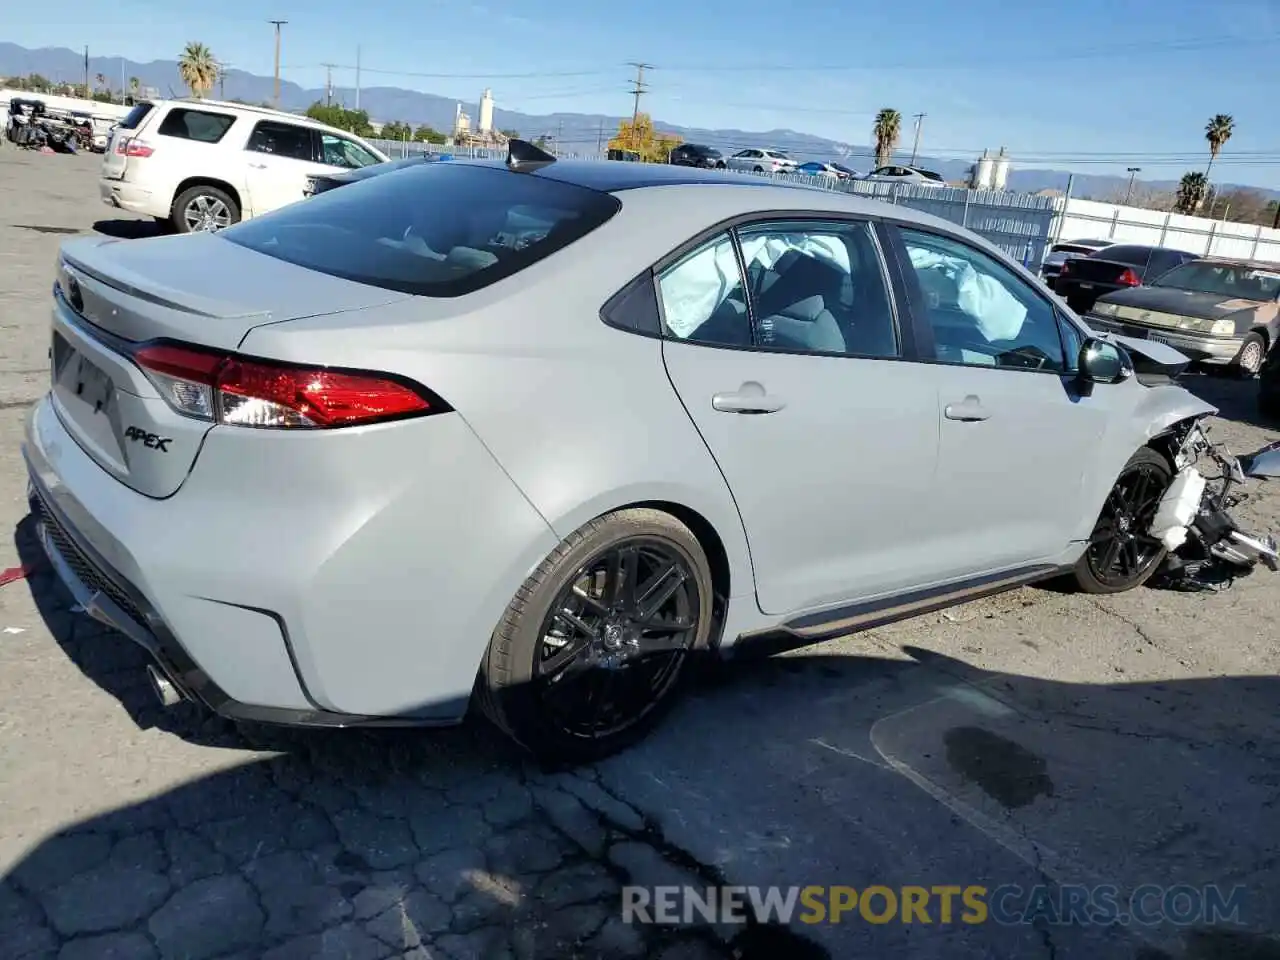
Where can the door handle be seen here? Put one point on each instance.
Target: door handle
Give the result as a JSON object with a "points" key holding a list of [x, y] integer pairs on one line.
{"points": [[969, 410], [748, 398]]}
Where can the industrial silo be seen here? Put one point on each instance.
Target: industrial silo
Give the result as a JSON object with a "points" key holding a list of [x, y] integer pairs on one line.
{"points": [[983, 173], [1000, 180]]}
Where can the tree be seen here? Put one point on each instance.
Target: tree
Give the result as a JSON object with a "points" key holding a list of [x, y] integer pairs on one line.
{"points": [[353, 121], [641, 138], [1191, 191], [510, 134], [198, 68], [100, 80], [426, 134], [134, 86], [887, 130], [1217, 131], [396, 131]]}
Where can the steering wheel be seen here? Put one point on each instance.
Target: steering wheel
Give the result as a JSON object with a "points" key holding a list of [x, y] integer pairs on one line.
{"points": [[1036, 357]]}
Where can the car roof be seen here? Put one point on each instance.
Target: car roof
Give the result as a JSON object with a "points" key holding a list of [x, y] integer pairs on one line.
{"points": [[1236, 262], [295, 118]]}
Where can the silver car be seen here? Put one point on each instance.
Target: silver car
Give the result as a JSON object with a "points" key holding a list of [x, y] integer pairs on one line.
{"points": [[537, 435], [761, 161]]}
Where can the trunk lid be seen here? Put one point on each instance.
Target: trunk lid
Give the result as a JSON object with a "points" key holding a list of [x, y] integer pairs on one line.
{"points": [[197, 289], [1093, 270], [114, 160]]}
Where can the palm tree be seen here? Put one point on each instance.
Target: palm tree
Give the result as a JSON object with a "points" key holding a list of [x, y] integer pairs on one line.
{"points": [[198, 69], [1191, 192], [1217, 131], [886, 130], [100, 80], [134, 85]]}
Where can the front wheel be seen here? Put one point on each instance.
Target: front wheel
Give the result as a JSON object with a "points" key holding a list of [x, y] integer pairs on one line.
{"points": [[1122, 554], [592, 649], [1248, 362]]}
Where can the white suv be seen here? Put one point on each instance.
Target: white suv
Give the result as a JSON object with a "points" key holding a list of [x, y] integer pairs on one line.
{"points": [[206, 164]]}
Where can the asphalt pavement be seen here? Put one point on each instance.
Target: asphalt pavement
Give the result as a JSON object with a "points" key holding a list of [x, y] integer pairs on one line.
{"points": [[1035, 744]]}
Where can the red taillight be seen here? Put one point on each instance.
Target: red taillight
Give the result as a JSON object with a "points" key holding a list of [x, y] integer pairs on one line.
{"points": [[121, 144], [136, 148], [1128, 279], [261, 393], [1066, 268]]}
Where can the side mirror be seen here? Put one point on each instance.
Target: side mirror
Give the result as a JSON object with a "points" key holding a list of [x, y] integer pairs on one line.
{"points": [[1102, 362]]}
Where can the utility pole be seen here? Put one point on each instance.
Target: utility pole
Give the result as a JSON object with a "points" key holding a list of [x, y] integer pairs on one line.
{"points": [[1128, 191], [559, 136], [357, 77], [278, 25], [328, 84], [222, 80], [600, 146], [86, 70], [915, 147], [638, 86]]}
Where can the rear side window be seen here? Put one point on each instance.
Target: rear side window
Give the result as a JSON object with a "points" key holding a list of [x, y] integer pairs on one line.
{"points": [[198, 125], [437, 230], [1124, 253], [282, 140], [136, 116]]}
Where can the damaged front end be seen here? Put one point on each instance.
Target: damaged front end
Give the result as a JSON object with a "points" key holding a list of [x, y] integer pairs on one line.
{"points": [[1207, 548]]}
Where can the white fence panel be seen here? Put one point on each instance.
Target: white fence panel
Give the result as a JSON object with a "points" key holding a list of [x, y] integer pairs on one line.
{"points": [[1090, 220]]}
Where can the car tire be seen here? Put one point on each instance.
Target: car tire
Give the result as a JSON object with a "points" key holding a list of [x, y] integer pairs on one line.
{"points": [[758, 169], [529, 695], [1128, 506], [219, 207], [1248, 362]]}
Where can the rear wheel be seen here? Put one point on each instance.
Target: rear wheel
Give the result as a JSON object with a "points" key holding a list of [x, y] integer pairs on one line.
{"points": [[759, 169], [593, 648], [204, 209], [1121, 554]]}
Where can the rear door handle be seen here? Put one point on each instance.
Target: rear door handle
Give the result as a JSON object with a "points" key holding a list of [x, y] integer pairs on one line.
{"points": [[748, 398], [969, 410]]}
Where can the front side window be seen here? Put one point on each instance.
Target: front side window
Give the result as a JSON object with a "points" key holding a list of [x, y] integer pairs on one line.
{"points": [[432, 229], [200, 126], [703, 299], [341, 152], [981, 312], [282, 140], [818, 288]]}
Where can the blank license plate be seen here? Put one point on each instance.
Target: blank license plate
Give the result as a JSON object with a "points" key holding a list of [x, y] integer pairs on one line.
{"points": [[91, 384], [1086, 286]]}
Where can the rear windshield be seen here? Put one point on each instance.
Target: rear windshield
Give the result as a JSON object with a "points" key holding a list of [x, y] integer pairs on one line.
{"points": [[135, 116], [1070, 248], [1123, 253], [438, 230]]}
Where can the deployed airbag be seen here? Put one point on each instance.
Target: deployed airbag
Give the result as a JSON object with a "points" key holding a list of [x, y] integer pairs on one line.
{"points": [[994, 309]]}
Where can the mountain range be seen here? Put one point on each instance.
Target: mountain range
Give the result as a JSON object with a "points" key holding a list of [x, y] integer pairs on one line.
{"points": [[577, 132]]}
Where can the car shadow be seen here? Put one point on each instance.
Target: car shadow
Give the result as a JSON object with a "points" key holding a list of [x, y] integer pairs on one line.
{"points": [[800, 769], [1236, 399], [123, 229]]}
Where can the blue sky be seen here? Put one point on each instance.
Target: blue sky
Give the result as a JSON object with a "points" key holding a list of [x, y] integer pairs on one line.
{"points": [[1094, 85]]}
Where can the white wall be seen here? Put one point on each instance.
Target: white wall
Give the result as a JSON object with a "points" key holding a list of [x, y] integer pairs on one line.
{"points": [[1088, 220]]}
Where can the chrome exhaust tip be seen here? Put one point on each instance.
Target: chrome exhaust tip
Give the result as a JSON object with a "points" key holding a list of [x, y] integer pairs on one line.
{"points": [[163, 688]]}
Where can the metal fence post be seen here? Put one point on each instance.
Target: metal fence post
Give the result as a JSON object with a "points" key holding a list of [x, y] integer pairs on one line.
{"points": [[1164, 229], [964, 217], [1114, 222], [1257, 238], [1208, 247]]}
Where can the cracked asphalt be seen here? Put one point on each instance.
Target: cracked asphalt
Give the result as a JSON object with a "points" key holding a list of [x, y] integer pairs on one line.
{"points": [[1039, 738]]}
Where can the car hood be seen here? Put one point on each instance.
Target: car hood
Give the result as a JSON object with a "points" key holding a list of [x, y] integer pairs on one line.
{"points": [[1134, 302]]}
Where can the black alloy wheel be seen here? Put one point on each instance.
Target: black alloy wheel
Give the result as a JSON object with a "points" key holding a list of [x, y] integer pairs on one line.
{"points": [[593, 647], [616, 637], [1121, 553]]}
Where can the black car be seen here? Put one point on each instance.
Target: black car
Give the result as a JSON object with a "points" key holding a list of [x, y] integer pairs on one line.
{"points": [[1082, 280], [697, 155], [320, 182]]}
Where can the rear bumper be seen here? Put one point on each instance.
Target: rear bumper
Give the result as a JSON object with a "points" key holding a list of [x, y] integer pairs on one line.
{"points": [[1210, 350], [358, 595], [129, 196]]}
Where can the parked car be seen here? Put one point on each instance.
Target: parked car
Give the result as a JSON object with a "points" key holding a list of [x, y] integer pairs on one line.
{"points": [[816, 168], [1082, 280], [761, 161], [205, 164], [912, 175], [697, 155], [1221, 312], [316, 463], [1059, 253], [847, 171]]}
